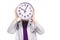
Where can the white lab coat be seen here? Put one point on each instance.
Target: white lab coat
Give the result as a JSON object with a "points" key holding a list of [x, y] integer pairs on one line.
{"points": [[31, 30]]}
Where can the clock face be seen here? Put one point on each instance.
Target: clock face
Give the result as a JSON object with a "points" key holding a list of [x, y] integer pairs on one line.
{"points": [[24, 10]]}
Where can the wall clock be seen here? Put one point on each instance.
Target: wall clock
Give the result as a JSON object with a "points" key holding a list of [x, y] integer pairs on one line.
{"points": [[24, 10]]}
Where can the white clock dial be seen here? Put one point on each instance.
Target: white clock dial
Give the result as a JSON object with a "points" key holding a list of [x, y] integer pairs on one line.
{"points": [[25, 10]]}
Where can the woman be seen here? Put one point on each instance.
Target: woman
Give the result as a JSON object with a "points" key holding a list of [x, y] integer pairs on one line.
{"points": [[26, 29]]}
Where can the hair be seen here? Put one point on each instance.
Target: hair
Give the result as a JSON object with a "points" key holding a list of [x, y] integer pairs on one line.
{"points": [[18, 25]]}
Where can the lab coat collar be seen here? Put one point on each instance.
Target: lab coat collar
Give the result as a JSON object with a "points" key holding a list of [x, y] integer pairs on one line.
{"points": [[29, 23]]}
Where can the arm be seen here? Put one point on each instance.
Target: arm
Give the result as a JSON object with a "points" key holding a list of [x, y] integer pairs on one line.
{"points": [[38, 28], [12, 27]]}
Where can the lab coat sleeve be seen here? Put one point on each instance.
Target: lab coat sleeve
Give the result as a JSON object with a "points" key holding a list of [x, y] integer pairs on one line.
{"points": [[39, 29], [12, 28]]}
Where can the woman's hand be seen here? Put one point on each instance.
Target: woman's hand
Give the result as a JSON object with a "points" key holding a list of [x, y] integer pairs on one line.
{"points": [[16, 18], [34, 20]]}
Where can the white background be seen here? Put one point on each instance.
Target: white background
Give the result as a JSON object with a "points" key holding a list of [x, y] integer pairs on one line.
{"points": [[47, 13]]}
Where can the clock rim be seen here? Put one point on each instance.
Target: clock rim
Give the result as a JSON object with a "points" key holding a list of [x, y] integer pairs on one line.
{"points": [[23, 3]]}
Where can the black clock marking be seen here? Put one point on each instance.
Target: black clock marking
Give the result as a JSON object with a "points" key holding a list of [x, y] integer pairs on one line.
{"points": [[30, 10], [24, 16], [29, 13], [18, 10], [29, 7], [19, 13], [24, 4], [21, 5]]}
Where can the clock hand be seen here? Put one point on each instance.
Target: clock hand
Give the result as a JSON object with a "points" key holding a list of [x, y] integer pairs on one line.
{"points": [[22, 9], [25, 9]]}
